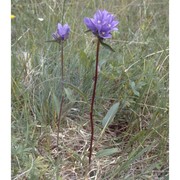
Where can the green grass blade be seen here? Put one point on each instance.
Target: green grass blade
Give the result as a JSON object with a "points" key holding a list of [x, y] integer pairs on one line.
{"points": [[110, 115], [106, 152]]}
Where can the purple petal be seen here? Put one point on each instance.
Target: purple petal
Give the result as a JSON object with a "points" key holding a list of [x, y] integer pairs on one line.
{"points": [[102, 24], [90, 25], [62, 32], [105, 35], [97, 16], [115, 23], [67, 28], [59, 26]]}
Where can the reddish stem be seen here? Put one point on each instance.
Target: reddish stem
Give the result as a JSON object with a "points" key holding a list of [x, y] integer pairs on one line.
{"points": [[92, 101], [62, 97]]}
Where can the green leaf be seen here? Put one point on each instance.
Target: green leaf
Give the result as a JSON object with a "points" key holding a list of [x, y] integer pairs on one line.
{"points": [[56, 102], [84, 59], [106, 152], [133, 86], [51, 40], [77, 90], [69, 94], [106, 45], [110, 115], [134, 156], [87, 30], [140, 84]]}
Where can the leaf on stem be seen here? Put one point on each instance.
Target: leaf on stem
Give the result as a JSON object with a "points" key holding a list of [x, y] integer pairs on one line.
{"points": [[51, 40], [54, 40], [106, 45], [88, 31]]}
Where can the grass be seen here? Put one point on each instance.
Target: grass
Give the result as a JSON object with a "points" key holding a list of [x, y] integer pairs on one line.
{"points": [[135, 144]]}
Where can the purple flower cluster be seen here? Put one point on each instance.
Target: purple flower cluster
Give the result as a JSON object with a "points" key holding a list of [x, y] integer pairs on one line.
{"points": [[62, 32], [102, 24]]}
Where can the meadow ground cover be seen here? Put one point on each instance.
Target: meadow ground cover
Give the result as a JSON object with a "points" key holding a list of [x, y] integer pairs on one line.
{"points": [[131, 104]]}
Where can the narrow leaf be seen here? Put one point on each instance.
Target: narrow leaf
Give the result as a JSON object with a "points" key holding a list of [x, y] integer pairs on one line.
{"points": [[135, 155], [84, 59], [56, 102], [87, 30], [133, 86], [106, 46], [110, 115], [106, 152], [51, 40], [77, 90], [69, 94]]}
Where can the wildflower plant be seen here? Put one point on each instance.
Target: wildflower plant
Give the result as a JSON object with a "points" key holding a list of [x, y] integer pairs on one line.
{"points": [[101, 25], [61, 34]]}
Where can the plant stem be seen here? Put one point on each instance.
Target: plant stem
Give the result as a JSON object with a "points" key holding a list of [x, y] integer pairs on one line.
{"points": [[92, 101], [62, 87], [61, 105]]}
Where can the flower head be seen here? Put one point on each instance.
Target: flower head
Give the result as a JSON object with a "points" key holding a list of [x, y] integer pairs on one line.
{"points": [[102, 24], [62, 32]]}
